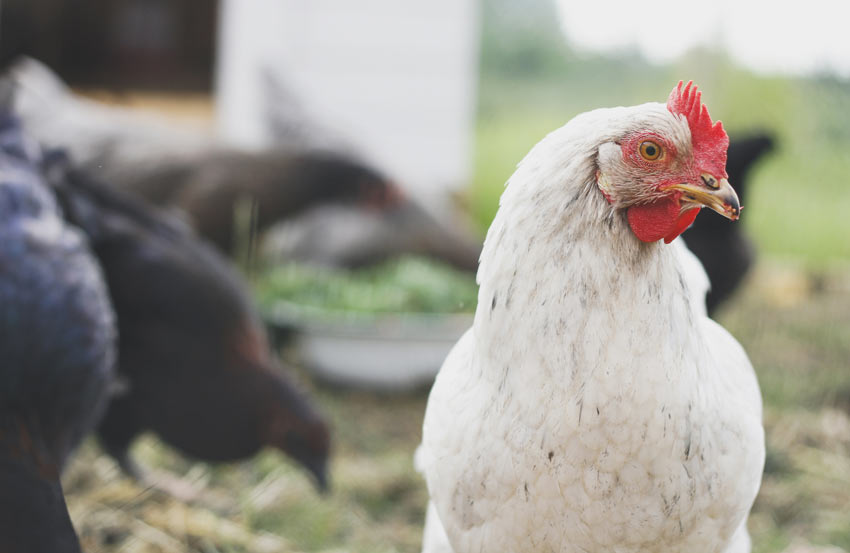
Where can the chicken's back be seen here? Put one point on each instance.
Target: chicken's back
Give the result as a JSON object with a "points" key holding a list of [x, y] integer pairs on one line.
{"points": [[57, 345]]}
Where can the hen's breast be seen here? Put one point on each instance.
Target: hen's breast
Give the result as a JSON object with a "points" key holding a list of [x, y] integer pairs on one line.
{"points": [[588, 470], [593, 418]]}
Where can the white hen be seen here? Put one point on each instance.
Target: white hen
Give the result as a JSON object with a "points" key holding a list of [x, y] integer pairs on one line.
{"points": [[593, 407]]}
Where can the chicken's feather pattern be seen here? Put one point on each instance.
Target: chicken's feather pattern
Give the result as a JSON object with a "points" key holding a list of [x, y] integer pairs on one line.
{"points": [[592, 406]]}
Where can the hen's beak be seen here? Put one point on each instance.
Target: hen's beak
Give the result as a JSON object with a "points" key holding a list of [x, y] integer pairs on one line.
{"points": [[713, 193]]}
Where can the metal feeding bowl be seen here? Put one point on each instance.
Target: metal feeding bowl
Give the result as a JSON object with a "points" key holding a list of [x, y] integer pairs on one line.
{"points": [[386, 352]]}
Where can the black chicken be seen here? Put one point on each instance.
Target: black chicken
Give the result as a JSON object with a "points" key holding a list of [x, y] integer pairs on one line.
{"points": [[57, 345], [191, 346], [725, 251], [208, 186]]}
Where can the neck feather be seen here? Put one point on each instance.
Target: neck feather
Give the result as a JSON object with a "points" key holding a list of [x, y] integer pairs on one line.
{"points": [[562, 273]]}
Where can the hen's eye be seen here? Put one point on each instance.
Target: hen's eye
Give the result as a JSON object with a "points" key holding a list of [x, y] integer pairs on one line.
{"points": [[649, 150]]}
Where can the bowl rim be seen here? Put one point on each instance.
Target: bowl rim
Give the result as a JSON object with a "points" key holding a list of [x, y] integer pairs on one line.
{"points": [[338, 323]]}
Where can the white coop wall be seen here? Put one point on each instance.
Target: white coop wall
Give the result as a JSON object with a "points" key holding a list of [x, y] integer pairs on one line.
{"points": [[395, 79]]}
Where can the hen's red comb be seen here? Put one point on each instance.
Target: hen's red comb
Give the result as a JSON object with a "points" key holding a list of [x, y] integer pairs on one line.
{"points": [[709, 140]]}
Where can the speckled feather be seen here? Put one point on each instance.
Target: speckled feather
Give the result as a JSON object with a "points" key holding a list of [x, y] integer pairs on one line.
{"points": [[592, 406]]}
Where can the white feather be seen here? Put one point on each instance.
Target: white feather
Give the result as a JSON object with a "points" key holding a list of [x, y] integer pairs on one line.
{"points": [[592, 406], [695, 276]]}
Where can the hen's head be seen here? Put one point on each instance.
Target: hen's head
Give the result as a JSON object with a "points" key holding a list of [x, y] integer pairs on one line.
{"points": [[667, 166]]}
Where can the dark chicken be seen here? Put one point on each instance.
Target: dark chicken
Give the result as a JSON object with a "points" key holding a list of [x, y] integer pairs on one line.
{"points": [[57, 340], [726, 252], [192, 349], [209, 186]]}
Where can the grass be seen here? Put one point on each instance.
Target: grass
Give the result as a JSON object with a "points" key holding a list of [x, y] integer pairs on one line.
{"points": [[794, 323], [796, 328], [266, 504], [800, 203]]}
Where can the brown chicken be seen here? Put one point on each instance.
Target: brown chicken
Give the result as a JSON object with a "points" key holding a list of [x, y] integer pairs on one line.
{"points": [[209, 186], [192, 349]]}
